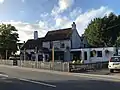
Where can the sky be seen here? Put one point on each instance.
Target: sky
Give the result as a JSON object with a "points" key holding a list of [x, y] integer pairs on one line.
{"points": [[45, 15]]}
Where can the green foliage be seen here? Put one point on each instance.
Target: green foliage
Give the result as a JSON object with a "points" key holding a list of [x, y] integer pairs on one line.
{"points": [[93, 32], [103, 31], [8, 39], [118, 42]]}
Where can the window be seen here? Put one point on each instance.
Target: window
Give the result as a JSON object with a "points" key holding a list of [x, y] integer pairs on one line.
{"points": [[85, 55], [46, 57], [62, 45], [91, 54], [99, 53], [51, 44], [115, 59], [81, 39], [84, 45]]}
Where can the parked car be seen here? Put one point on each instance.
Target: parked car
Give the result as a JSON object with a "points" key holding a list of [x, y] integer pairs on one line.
{"points": [[114, 63]]}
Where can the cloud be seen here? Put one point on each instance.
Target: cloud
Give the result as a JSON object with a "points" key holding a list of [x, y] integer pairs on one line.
{"points": [[62, 6], [75, 12], [1, 1], [26, 30], [61, 22], [44, 15], [82, 19]]}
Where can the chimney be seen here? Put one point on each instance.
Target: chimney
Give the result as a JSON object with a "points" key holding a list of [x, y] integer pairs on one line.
{"points": [[73, 26], [35, 35]]}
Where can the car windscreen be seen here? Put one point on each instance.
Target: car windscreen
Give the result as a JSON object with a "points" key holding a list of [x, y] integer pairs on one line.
{"points": [[115, 59]]}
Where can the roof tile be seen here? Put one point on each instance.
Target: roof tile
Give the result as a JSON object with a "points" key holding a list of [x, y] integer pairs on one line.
{"points": [[58, 34]]}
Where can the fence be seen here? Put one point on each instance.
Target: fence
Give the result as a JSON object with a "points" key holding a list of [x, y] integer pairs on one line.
{"points": [[57, 66], [6, 62], [87, 66]]}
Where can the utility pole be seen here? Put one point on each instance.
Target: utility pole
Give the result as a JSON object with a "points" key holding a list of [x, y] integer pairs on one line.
{"points": [[52, 56], [24, 54], [6, 54], [36, 54]]}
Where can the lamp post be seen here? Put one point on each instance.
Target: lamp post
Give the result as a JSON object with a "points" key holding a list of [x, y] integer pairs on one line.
{"points": [[52, 55]]}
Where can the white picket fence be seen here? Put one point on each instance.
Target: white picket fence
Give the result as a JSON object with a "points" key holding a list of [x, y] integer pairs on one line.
{"points": [[6, 62], [57, 66]]}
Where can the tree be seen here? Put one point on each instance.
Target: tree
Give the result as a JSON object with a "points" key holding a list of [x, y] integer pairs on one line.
{"points": [[111, 29], [117, 44], [8, 39], [93, 33], [103, 31]]}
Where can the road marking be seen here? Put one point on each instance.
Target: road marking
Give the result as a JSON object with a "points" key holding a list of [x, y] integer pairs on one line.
{"points": [[41, 83], [3, 75], [22, 79]]}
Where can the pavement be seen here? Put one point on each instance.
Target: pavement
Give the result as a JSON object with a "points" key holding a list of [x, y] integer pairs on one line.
{"points": [[103, 72], [16, 78], [99, 72]]}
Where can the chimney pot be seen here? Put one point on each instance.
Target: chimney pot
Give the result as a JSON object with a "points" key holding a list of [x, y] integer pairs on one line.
{"points": [[73, 25], [35, 34]]}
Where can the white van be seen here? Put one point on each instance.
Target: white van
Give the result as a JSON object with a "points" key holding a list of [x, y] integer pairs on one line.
{"points": [[114, 63]]}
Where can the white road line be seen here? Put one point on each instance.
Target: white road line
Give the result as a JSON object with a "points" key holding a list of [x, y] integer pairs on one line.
{"points": [[41, 83], [3, 75], [22, 79]]}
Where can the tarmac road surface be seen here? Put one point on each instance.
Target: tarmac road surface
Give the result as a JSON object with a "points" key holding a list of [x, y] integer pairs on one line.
{"points": [[23, 79]]}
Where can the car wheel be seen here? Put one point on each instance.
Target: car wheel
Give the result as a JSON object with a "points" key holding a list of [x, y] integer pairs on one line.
{"points": [[111, 70]]}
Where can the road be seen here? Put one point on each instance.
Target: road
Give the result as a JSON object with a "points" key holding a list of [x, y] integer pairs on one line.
{"points": [[23, 79]]}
